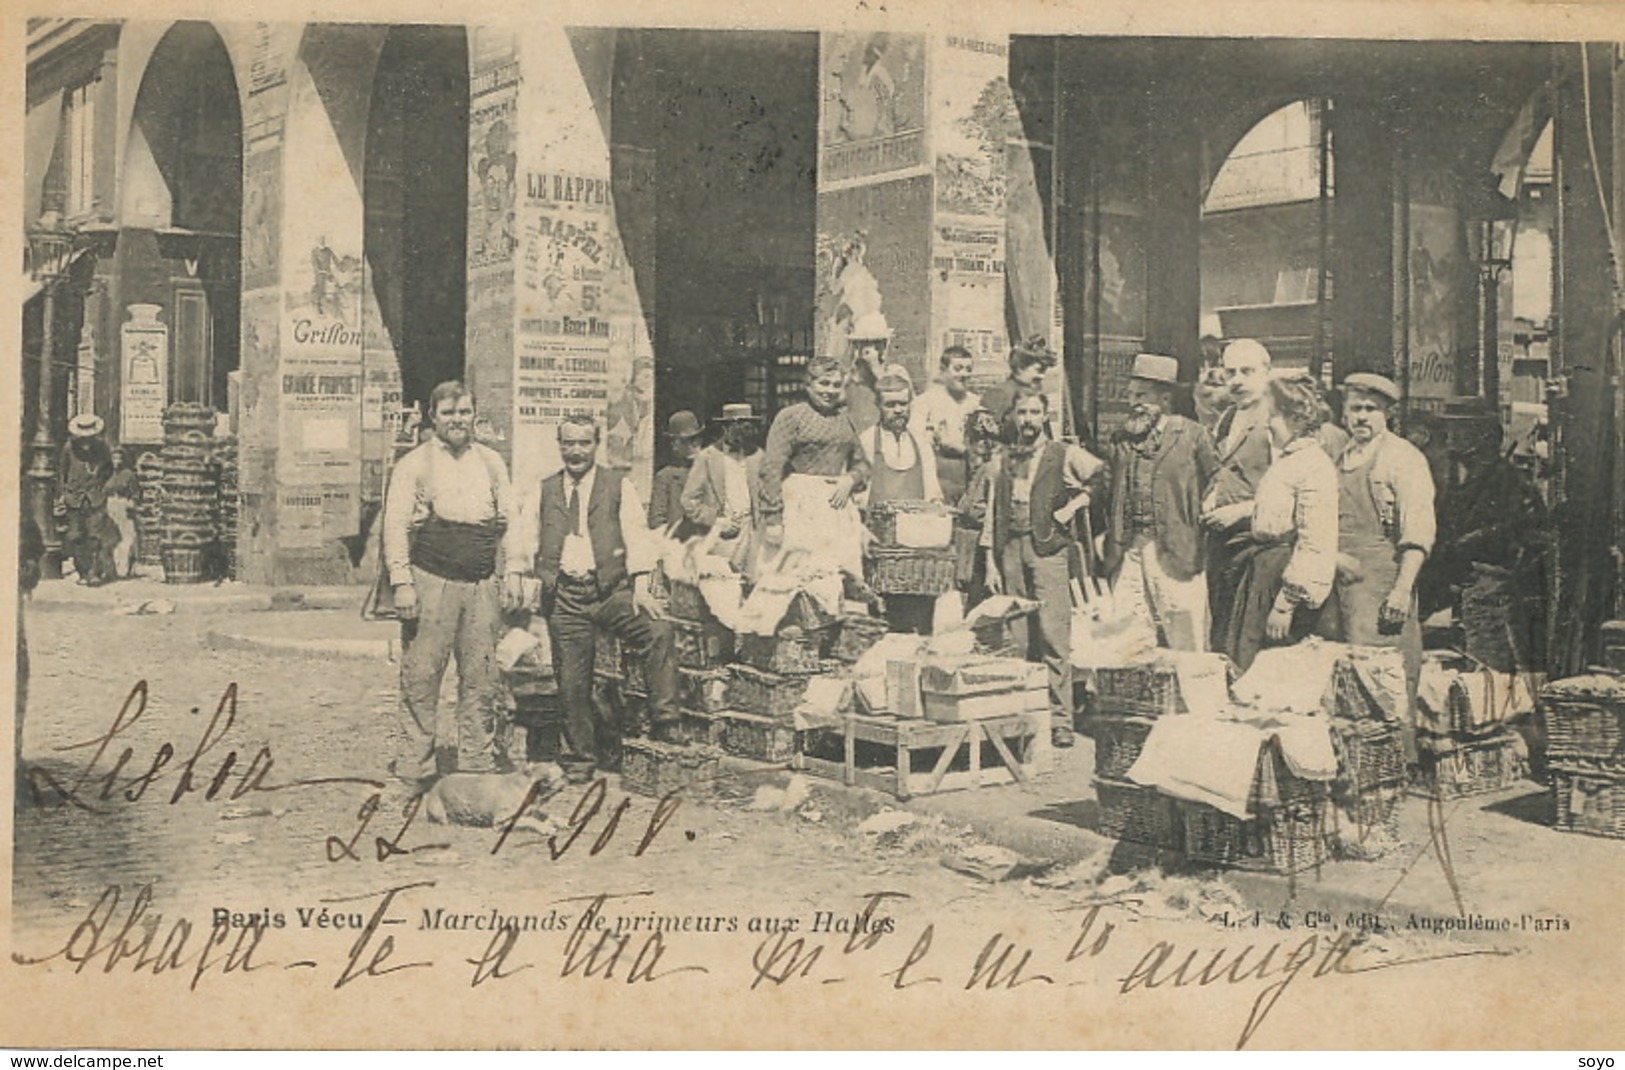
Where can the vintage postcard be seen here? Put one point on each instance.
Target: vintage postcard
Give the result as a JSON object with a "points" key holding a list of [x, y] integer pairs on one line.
{"points": [[1052, 525]]}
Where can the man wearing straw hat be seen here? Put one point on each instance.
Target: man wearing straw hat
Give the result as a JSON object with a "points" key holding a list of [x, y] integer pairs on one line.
{"points": [[87, 465], [1161, 466], [720, 498]]}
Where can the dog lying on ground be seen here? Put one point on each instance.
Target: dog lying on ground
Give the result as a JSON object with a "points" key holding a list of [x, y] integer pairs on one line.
{"points": [[486, 800]]}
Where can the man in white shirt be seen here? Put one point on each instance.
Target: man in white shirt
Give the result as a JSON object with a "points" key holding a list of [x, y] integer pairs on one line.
{"points": [[593, 552], [939, 417], [446, 518]]}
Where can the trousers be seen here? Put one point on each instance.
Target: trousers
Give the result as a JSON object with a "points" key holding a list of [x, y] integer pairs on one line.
{"points": [[1027, 574], [579, 613], [461, 620]]}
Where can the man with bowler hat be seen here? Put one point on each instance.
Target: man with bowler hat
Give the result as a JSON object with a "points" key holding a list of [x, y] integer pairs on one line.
{"points": [[666, 493]]}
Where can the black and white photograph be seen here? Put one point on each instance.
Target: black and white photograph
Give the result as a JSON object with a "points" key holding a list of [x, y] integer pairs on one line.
{"points": [[1024, 528]]}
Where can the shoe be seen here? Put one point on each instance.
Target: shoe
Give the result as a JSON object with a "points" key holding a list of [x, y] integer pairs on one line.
{"points": [[1060, 736]]}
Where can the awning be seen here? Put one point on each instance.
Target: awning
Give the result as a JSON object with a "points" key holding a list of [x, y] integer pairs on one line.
{"points": [[39, 145]]}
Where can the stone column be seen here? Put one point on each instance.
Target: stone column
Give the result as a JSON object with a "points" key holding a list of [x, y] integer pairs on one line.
{"points": [[912, 181]]}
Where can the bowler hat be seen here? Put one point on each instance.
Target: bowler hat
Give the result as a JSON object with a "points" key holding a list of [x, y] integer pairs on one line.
{"points": [[1371, 383], [683, 424], [1155, 368], [85, 425]]}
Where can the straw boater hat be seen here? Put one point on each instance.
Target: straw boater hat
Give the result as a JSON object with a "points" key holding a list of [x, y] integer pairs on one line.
{"points": [[1371, 383], [737, 412], [683, 424], [85, 425], [1155, 368]]}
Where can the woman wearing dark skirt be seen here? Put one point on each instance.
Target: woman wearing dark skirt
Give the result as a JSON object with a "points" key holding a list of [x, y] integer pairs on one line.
{"points": [[1288, 570]]}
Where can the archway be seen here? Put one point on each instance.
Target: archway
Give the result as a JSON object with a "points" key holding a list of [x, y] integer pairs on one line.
{"points": [[415, 188], [181, 208]]}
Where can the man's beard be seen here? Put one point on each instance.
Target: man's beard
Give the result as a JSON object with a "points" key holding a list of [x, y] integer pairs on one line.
{"points": [[1139, 424], [1026, 439]]}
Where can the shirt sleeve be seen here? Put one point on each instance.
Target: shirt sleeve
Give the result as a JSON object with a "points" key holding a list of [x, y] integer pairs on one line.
{"points": [[1310, 571], [641, 548], [399, 504], [1082, 468], [775, 459], [1413, 500]]}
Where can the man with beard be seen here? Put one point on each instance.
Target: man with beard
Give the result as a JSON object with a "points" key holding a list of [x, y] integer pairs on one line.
{"points": [[720, 497], [1161, 464], [1242, 438], [593, 553], [1385, 529], [1035, 487], [1029, 361], [446, 516], [901, 468]]}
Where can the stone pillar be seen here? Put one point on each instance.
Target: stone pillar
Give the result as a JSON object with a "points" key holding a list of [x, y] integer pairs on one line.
{"points": [[556, 319], [912, 178]]}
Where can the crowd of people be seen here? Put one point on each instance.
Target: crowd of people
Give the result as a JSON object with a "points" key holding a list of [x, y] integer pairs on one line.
{"points": [[1263, 524]]}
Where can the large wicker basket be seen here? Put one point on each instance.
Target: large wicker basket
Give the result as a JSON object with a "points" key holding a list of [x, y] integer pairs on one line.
{"points": [[1138, 814], [883, 517], [924, 572], [1585, 717], [792, 651], [1590, 797], [766, 694], [1283, 839], [1118, 742], [1369, 755]]}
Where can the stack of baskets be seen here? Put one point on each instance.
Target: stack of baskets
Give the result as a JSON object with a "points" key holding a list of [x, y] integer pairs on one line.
{"points": [[229, 504], [149, 518], [191, 491]]}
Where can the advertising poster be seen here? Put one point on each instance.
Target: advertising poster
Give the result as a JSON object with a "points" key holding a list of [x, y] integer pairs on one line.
{"points": [[1439, 280], [144, 353], [873, 105]]}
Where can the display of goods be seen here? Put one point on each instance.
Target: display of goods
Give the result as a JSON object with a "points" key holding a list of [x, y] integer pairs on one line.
{"points": [[1454, 766], [1370, 754], [922, 523], [1138, 814], [1590, 797], [930, 572], [188, 415], [762, 739], [855, 634], [702, 646], [975, 688], [1283, 839], [703, 690], [1152, 688], [1486, 616], [685, 600], [1118, 742], [608, 661], [658, 769], [1585, 717], [791, 651], [766, 694]]}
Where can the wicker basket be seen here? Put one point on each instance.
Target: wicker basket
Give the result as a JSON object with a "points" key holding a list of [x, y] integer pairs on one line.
{"points": [[702, 646], [182, 564], [855, 635], [883, 517], [703, 690], [792, 651], [1138, 814], [1455, 766], [1354, 699], [1147, 689], [1369, 755], [1585, 717], [650, 768], [746, 735], [927, 572], [1590, 798], [766, 694], [701, 728], [1284, 839], [1118, 742]]}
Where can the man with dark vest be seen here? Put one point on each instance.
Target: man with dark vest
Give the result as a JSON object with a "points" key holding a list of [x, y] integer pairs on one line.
{"points": [[1242, 438], [1035, 487], [593, 553], [1161, 466], [902, 467], [446, 519]]}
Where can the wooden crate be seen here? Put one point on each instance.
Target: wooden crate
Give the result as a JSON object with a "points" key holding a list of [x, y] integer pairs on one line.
{"points": [[1589, 797], [1138, 814], [1118, 742], [651, 768], [761, 739], [702, 646], [792, 651], [923, 757], [1454, 767], [953, 708], [703, 690]]}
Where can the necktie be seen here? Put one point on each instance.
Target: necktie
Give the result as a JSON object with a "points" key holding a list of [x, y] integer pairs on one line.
{"points": [[575, 508]]}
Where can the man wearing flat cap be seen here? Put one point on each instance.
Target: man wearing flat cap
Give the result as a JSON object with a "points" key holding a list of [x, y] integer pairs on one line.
{"points": [[86, 466], [1161, 466], [1385, 527], [666, 492]]}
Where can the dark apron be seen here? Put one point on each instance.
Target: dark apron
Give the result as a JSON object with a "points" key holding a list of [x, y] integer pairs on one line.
{"points": [[887, 484], [452, 550]]}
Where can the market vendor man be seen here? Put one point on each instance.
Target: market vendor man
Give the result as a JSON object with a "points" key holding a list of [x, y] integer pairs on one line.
{"points": [[1161, 466], [1385, 528], [902, 467], [1035, 488], [720, 497], [811, 467], [1242, 438], [593, 553], [446, 524]]}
